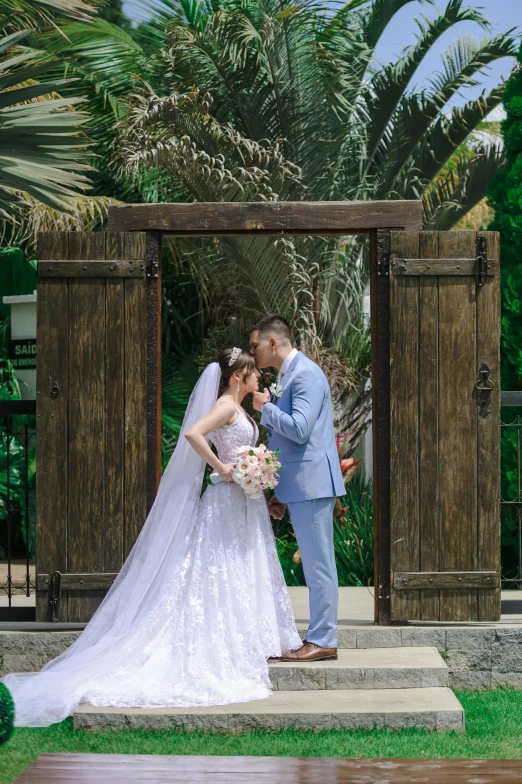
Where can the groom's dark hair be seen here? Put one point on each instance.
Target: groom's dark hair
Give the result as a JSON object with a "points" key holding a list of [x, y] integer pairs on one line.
{"points": [[272, 324]]}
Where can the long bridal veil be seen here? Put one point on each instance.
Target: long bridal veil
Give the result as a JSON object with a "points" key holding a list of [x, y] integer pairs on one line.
{"points": [[52, 694]]}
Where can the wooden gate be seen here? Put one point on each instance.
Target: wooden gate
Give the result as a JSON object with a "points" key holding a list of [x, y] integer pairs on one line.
{"points": [[444, 426], [97, 409]]}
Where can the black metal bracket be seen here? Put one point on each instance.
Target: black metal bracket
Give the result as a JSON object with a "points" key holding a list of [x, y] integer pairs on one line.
{"points": [[383, 266], [55, 593], [484, 385], [482, 261], [384, 590]]}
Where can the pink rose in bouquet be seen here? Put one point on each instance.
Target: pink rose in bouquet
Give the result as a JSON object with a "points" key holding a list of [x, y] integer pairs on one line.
{"points": [[256, 469]]}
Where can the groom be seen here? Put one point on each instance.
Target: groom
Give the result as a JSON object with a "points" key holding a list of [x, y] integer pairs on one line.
{"points": [[298, 416]]}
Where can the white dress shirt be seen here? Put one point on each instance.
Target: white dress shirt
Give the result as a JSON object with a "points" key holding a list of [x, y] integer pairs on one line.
{"points": [[286, 364]]}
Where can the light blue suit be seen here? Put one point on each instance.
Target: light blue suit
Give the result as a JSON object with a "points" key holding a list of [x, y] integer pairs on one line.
{"points": [[300, 425]]}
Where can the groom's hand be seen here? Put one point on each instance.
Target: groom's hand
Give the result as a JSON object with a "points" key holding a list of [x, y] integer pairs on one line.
{"points": [[275, 508], [260, 398]]}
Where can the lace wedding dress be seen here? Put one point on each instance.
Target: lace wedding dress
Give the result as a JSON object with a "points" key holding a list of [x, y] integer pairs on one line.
{"points": [[195, 612]]}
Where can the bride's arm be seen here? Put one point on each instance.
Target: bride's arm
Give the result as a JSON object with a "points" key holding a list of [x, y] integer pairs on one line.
{"points": [[220, 415]]}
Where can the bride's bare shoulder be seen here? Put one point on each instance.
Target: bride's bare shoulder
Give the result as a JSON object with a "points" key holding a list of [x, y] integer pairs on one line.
{"points": [[226, 411]]}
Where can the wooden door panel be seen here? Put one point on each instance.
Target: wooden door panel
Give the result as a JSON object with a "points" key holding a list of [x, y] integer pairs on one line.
{"points": [[444, 514], [429, 540], [92, 454], [404, 381]]}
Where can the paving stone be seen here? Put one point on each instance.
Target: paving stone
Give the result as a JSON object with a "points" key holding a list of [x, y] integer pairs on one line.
{"points": [[32, 662], [368, 668], [462, 679], [464, 639], [473, 659], [506, 656], [46, 643], [512, 679], [419, 637], [346, 638], [379, 637], [435, 708], [296, 678], [508, 635]]}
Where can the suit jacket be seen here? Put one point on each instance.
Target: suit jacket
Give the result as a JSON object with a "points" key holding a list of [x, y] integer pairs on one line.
{"points": [[300, 425]]}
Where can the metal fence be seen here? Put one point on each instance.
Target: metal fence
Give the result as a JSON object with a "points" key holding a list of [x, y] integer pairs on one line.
{"points": [[17, 509]]}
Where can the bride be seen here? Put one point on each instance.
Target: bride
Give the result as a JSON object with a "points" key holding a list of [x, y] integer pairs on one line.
{"points": [[201, 602]]}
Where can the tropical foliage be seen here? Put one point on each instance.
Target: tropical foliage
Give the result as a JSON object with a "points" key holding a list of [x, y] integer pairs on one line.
{"points": [[277, 101], [230, 100], [42, 152], [506, 199]]}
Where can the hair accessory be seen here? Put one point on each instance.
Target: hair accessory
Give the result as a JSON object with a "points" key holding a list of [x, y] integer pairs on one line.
{"points": [[235, 353]]}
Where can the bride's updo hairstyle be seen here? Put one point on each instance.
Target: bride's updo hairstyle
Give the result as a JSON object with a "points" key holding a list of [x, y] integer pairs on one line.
{"points": [[244, 361]]}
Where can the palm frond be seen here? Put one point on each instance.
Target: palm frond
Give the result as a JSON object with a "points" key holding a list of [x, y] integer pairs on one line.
{"points": [[453, 196], [390, 83]]}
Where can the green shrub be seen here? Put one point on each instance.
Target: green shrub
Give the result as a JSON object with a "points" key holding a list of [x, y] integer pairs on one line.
{"points": [[6, 714], [505, 195]]}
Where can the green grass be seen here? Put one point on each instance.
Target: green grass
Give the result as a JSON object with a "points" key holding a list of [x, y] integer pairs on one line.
{"points": [[493, 729]]}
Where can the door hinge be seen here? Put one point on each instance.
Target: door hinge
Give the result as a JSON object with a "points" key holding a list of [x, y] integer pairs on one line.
{"points": [[384, 590], [383, 266]]}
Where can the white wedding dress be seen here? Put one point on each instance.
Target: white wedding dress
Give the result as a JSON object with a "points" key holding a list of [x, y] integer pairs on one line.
{"points": [[195, 612]]}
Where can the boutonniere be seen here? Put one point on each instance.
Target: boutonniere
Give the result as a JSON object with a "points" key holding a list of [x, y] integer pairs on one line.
{"points": [[276, 390]]}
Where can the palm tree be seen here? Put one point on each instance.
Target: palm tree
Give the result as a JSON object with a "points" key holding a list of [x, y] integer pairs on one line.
{"points": [[272, 100], [43, 153], [265, 99]]}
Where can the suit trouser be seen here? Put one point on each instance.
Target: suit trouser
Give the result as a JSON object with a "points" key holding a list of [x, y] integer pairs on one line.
{"points": [[312, 522]]}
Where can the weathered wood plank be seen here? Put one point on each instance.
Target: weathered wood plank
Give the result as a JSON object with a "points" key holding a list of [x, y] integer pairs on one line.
{"points": [[404, 386], [429, 534], [488, 438], [79, 582], [380, 329], [446, 580], [135, 395], [108, 768], [86, 466], [90, 268], [430, 267], [114, 409], [153, 337], [200, 218], [51, 421], [457, 427]]}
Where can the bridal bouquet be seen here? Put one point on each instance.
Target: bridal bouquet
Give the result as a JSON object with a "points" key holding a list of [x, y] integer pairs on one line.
{"points": [[256, 469]]}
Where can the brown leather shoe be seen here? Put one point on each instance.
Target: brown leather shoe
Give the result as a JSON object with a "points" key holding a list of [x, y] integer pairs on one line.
{"points": [[309, 652]]}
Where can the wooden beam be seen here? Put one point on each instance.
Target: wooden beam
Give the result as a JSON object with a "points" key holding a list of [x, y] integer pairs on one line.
{"points": [[445, 580], [323, 217]]}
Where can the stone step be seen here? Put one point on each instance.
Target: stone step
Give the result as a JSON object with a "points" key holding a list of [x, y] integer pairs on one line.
{"points": [[378, 668], [431, 708]]}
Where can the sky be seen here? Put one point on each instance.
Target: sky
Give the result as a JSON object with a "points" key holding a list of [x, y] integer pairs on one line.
{"points": [[503, 14]]}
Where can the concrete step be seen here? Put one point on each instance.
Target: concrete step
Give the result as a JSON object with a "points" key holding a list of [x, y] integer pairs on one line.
{"points": [[377, 668], [430, 708]]}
